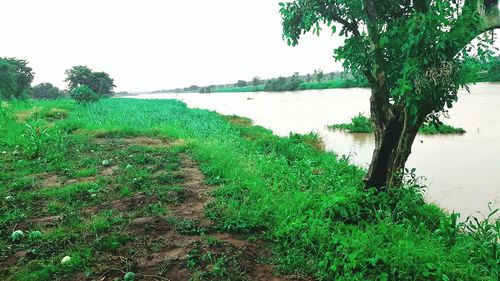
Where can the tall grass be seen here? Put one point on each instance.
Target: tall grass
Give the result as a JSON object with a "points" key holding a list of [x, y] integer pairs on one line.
{"points": [[310, 205]]}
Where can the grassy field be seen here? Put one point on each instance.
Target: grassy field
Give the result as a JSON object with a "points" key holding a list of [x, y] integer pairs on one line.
{"points": [[153, 190]]}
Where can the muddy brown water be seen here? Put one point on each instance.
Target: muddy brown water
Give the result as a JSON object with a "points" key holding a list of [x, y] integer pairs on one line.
{"points": [[462, 171]]}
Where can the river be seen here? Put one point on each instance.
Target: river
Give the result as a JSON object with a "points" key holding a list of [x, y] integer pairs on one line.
{"points": [[462, 172]]}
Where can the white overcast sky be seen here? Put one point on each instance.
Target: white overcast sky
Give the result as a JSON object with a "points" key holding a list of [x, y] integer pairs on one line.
{"points": [[158, 44]]}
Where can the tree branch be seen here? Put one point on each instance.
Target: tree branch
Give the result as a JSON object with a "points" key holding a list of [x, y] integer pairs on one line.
{"points": [[487, 17]]}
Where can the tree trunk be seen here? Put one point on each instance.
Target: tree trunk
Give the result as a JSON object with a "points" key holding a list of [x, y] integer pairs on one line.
{"points": [[393, 141]]}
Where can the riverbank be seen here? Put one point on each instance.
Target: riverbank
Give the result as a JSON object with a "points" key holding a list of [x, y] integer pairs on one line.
{"points": [[112, 185]]}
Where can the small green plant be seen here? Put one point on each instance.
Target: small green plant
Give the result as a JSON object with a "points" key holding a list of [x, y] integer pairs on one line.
{"points": [[36, 136]]}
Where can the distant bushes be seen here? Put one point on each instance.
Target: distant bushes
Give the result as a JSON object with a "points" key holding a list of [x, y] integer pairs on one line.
{"points": [[46, 91], [336, 83], [283, 84], [206, 90], [362, 124]]}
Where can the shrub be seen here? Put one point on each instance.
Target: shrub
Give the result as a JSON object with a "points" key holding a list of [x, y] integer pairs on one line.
{"points": [[283, 84], [362, 124], [46, 91], [83, 94]]}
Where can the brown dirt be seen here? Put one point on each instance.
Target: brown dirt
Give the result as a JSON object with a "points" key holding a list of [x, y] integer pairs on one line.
{"points": [[48, 180], [141, 141], [162, 251]]}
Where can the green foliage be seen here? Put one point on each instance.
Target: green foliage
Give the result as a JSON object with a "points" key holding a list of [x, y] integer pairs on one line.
{"points": [[359, 124], [413, 53], [206, 90], [283, 84], [83, 94], [318, 75], [440, 129], [241, 83], [310, 206], [494, 69], [99, 82], [362, 124], [46, 91], [15, 78]]}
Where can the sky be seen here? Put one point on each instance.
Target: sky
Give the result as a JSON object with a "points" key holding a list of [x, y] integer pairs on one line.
{"points": [[158, 44]]}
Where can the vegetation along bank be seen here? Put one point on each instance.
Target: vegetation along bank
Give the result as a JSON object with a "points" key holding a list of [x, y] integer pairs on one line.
{"points": [[150, 189]]}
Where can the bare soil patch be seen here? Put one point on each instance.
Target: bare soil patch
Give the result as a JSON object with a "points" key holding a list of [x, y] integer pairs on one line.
{"points": [[163, 248]]}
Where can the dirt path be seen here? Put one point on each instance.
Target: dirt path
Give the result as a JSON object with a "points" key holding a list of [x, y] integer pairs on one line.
{"points": [[161, 232], [190, 249]]}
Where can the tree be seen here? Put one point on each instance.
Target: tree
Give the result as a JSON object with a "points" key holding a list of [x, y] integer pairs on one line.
{"points": [[256, 81], [193, 88], [319, 75], [99, 82], [283, 84], [46, 91], [412, 54], [15, 78], [308, 77], [84, 94], [241, 83]]}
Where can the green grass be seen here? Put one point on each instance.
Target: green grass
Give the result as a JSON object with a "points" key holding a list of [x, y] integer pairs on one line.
{"points": [[310, 205], [362, 124]]}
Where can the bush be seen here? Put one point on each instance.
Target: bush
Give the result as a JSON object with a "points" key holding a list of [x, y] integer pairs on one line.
{"points": [[283, 84], [362, 124], [83, 94], [46, 91], [359, 124]]}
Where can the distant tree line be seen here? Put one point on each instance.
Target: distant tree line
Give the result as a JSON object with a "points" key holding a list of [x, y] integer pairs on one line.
{"points": [[84, 84]]}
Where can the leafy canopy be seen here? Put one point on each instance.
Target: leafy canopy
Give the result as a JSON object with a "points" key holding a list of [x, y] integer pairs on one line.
{"points": [[46, 91], [99, 82], [15, 78]]}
